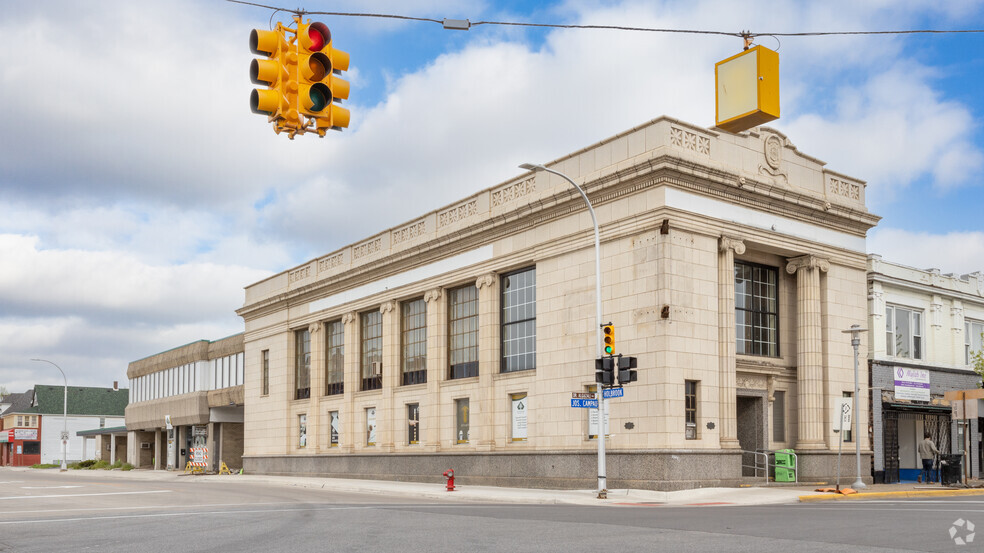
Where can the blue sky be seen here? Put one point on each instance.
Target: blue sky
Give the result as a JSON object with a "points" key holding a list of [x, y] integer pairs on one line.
{"points": [[139, 195]]}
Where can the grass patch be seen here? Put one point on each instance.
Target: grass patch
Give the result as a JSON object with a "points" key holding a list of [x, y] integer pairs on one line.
{"points": [[126, 466], [45, 466]]}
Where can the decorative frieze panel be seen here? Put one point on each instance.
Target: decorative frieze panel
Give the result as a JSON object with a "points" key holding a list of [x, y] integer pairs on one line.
{"points": [[690, 141], [751, 382], [846, 189], [509, 193], [457, 213], [298, 274], [409, 232], [367, 248], [328, 263]]}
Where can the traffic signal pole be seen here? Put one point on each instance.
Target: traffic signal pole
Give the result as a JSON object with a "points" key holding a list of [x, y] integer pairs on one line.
{"points": [[602, 402]]}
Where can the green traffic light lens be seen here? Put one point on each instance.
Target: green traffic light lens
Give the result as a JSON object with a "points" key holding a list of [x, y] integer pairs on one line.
{"points": [[608, 349], [318, 100]]}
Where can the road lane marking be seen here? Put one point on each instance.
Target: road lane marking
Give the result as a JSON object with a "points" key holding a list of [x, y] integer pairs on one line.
{"points": [[133, 508], [46, 487], [184, 514], [80, 495]]}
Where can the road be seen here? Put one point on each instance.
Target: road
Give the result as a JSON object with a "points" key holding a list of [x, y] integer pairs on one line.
{"points": [[47, 511]]}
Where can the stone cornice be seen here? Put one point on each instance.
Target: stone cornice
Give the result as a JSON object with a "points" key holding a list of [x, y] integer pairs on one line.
{"points": [[665, 167]]}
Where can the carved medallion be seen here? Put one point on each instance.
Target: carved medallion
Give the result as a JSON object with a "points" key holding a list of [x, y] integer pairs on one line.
{"points": [[773, 151]]}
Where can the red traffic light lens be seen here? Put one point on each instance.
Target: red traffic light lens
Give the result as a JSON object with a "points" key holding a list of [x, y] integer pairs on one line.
{"points": [[319, 36]]}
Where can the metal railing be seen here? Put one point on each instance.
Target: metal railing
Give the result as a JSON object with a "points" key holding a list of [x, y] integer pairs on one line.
{"points": [[761, 463]]}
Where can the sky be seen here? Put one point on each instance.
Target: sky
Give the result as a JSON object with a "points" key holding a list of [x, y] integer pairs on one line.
{"points": [[139, 195]]}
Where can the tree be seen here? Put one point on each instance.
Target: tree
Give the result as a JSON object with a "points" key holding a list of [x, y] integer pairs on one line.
{"points": [[977, 360], [3, 391]]}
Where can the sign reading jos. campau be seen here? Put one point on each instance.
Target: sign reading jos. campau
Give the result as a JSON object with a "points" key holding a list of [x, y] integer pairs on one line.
{"points": [[911, 384]]}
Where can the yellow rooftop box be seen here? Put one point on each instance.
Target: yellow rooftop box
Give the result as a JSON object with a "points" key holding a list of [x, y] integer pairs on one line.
{"points": [[747, 89]]}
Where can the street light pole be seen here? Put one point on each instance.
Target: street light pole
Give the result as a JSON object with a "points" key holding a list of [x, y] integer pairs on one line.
{"points": [[602, 402], [855, 332], [64, 437]]}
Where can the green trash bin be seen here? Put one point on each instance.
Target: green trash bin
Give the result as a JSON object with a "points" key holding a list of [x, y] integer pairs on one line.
{"points": [[785, 466]]}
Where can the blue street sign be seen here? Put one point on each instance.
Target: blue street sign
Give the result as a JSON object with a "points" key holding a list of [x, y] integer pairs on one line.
{"points": [[591, 403], [612, 392]]}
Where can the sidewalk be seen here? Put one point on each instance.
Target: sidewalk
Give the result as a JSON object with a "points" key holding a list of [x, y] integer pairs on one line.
{"points": [[759, 495]]}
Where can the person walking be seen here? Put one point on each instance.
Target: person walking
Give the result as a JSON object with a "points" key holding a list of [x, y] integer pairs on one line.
{"points": [[927, 452]]}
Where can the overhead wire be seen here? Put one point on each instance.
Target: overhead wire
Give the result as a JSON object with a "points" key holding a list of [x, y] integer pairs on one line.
{"points": [[742, 34]]}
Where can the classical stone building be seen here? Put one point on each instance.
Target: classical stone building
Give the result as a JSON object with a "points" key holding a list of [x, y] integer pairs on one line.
{"points": [[730, 266], [198, 387], [924, 326]]}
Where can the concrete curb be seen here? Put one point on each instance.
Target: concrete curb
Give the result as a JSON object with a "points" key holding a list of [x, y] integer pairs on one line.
{"points": [[880, 495]]}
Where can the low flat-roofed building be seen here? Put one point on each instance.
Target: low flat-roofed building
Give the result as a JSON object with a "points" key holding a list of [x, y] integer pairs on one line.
{"points": [[730, 265], [184, 398]]}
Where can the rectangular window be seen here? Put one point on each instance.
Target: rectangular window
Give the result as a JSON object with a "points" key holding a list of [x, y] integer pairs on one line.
{"points": [[334, 358], [461, 416], [302, 367], [756, 309], [690, 408], [265, 372], [779, 416], [413, 423], [847, 431], [20, 420], [463, 331], [371, 324], [334, 429], [371, 426], [32, 448], [102, 422], [302, 431], [519, 411], [903, 332], [972, 339], [413, 315], [519, 321]]}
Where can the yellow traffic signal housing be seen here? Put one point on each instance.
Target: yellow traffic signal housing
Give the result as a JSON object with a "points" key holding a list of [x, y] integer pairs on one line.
{"points": [[608, 336], [279, 73], [747, 89], [319, 87]]}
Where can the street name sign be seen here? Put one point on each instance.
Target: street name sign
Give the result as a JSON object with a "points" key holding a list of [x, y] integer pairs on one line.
{"points": [[589, 403], [582, 395], [612, 392]]}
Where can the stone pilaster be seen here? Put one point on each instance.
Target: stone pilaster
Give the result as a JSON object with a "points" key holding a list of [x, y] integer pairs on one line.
{"points": [[727, 248], [316, 378], [809, 350], [387, 419], [488, 361], [437, 368], [351, 379]]}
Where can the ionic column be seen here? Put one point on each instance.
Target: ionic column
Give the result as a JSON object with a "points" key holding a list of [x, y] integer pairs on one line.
{"points": [[727, 247], [387, 419], [316, 379], [350, 435], [437, 368], [488, 360], [809, 350]]}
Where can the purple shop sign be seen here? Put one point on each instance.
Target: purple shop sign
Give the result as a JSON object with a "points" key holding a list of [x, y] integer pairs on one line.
{"points": [[911, 384]]}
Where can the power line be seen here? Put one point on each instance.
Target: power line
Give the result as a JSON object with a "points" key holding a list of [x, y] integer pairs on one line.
{"points": [[466, 24]]}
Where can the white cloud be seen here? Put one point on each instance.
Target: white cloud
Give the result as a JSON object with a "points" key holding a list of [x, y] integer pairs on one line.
{"points": [[952, 252]]}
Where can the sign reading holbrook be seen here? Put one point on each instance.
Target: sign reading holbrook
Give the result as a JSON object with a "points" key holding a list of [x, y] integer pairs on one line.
{"points": [[911, 384]]}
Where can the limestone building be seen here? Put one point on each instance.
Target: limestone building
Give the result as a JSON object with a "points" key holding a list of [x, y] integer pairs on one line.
{"points": [[198, 388], [730, 266], [924, 326]]}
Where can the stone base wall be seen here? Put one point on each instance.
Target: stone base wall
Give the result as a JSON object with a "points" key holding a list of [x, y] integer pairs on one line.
{"points": [[822, 467], [660, 470], [663, 470]]}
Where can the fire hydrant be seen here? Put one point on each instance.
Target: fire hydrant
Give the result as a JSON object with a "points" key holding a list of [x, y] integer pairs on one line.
{"points": [[449, 474]]}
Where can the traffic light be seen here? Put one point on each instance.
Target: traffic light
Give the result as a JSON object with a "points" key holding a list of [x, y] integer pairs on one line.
{"points": [[608, 332], [319, 87], [278, 73], [626, 372], [605, 371]]}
